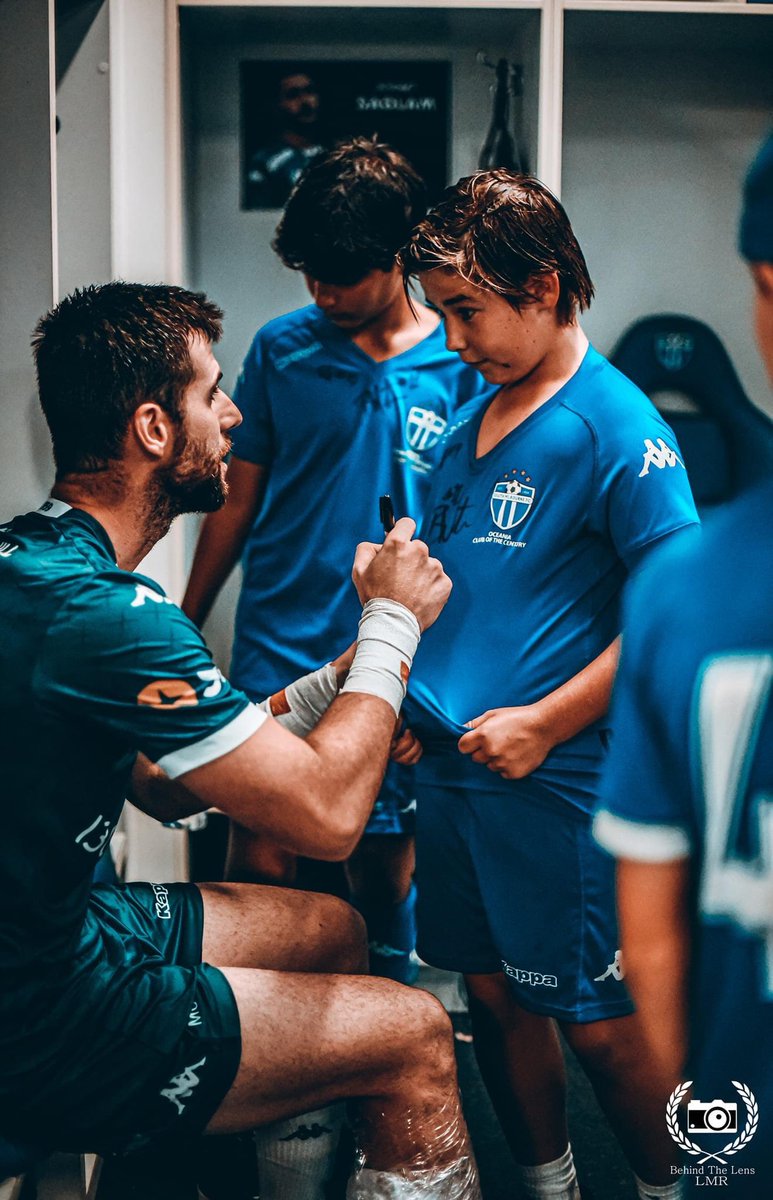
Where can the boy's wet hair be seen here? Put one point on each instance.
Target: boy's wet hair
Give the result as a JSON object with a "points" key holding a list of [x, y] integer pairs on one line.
{"points": [[502, 231], [104, 350], [350, 212]]}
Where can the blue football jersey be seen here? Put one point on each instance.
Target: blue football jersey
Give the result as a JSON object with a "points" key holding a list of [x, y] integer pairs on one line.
{"points": [[335, 430], [690, 773], [538, 536]]}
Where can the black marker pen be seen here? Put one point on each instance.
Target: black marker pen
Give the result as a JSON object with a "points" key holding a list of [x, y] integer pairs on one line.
{"points": [[386, 513]]}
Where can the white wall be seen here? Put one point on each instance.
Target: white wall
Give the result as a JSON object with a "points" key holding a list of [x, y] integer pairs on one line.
{"points": [[228, 250], [83, 161], [27, 260], [661, 118]]}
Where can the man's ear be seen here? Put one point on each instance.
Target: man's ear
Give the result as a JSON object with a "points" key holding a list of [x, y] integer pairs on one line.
{"points": [[152, 429], [763, 277]]}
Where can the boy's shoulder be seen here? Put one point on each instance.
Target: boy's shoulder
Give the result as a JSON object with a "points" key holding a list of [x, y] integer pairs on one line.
{"points": [[614, 410], [600, 393], [297, 330]]}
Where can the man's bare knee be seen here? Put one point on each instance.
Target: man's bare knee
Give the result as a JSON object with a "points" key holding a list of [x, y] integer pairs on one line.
{"points": [[426, 1037], [346, 936]]}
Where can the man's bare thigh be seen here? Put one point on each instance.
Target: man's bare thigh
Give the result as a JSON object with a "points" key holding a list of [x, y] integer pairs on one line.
{"points": [[276, 929]]}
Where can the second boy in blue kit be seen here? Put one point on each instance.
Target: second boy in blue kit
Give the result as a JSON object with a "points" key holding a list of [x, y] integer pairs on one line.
{"points": [[342, 400], [542, 504]]}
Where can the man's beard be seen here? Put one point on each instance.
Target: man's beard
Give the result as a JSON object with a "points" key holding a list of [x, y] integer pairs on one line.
{"points": [[188, 492], [194, 484]]}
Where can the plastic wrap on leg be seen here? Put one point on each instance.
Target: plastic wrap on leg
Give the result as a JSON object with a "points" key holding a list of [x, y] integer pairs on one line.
{"points": [[456, 1182], [433, 1161]]}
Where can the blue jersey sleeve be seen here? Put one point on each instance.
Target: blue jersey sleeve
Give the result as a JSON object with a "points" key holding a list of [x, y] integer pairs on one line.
{"points": [[645, 809], [253, 440], [642, 492], [124, 659]]}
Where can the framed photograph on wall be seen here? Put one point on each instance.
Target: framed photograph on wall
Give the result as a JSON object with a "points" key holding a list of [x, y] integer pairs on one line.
{"points": [[292, 109]]}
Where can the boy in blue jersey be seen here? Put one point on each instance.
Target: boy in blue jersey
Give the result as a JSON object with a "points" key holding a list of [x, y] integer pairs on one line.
{"points": [[543, 502], [142, 1012], [686, 803], [342, 400]]}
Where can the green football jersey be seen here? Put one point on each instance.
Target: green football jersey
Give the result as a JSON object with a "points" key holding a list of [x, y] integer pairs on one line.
{"points": [[96, 664]]}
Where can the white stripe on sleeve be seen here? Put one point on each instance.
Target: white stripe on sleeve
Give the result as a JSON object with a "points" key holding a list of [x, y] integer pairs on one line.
{"points": [[215, 745], [638, 841]]}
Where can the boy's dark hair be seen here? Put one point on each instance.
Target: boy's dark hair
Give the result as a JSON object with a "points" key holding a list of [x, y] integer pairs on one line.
{"points": [[350, 212], [502, 231], [104, 350]]}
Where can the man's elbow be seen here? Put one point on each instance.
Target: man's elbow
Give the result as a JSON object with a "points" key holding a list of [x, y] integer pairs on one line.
{"points": [[336, 840], [333, 834]]}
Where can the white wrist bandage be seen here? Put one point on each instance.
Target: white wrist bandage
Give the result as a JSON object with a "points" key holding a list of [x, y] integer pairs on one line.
{"points": [[386, 643], [301, 705]]}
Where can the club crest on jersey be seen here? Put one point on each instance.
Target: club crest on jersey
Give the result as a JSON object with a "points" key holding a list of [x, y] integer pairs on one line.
{"points": [[511, 503], [423, 428]]}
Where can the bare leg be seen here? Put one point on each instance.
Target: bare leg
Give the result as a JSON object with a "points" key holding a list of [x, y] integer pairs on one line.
{"points": [[381, 869], [250, 925], [522, 1065], [616, 1059], [310, 1039], [381, 877]]}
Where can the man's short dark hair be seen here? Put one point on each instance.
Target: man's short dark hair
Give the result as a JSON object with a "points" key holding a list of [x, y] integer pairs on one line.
{"points": [[350, 212], [103, 351], [502, 231]]}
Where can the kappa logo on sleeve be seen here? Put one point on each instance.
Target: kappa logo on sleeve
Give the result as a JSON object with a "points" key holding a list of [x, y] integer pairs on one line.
{"points": [[659, 455], [142, 593], [168, 693]]}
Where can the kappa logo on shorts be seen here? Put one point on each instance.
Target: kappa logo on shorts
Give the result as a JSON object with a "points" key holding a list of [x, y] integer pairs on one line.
{"points": [[168, 693], [615, 969], [181, 1086], [534, 978], [162, 902]]}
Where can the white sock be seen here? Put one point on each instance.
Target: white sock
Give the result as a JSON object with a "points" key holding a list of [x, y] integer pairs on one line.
{"points": [[296, 1156], [442, 1184], [666, 1191], [555, 1180]]}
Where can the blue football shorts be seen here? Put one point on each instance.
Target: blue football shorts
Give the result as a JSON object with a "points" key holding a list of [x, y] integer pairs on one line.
{"points": [[143, 1040], [511, 880]]}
